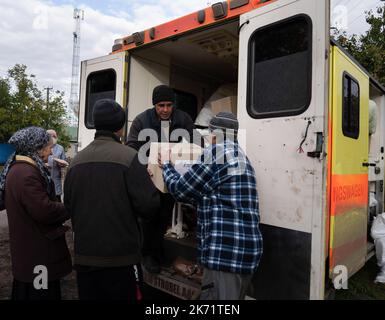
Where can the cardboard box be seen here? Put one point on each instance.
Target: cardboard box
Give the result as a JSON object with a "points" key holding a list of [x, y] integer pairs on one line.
{"points": [[183, 156], [228, 104]]}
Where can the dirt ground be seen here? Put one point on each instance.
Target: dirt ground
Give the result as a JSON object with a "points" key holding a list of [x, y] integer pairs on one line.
{"points": [[361, 286], [5, 275], [69, 291]]}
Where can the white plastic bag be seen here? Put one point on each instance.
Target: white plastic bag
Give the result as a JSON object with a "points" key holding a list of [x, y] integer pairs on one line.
{"points": [[373, 109], [378, 227], [372, 200], [380, 254], [205, 115], [378, 234]]}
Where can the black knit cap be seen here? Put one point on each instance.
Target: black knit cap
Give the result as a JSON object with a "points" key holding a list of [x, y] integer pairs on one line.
{"points": [[224, 121], [162, 93], [108, 115]]}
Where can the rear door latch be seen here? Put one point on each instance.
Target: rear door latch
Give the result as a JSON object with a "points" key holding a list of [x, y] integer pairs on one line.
{"points": [[318, 151], [367, 164]]}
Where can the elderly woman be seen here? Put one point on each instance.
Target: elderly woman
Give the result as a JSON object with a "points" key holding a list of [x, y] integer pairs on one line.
{"points": [[39, 253]]}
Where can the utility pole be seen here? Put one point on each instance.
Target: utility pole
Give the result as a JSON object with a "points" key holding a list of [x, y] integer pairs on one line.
{"points": [[48, 90], [47, 106]]}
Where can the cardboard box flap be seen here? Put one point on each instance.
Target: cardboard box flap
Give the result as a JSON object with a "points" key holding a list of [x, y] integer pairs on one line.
{"points": [[183, 155], [228, 104]]}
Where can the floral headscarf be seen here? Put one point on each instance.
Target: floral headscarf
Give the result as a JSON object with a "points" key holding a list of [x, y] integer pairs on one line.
{"points": [[27, 142]]}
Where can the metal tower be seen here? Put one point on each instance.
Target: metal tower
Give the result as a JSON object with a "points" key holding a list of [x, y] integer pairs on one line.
{"points": [[74, 98]]}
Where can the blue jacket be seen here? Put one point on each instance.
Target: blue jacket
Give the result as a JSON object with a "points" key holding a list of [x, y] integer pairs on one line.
{"points": [[59, 153]]}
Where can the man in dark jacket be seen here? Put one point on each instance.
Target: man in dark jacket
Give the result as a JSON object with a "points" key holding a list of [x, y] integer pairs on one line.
{"points": [[105, 191], [159, 124]]}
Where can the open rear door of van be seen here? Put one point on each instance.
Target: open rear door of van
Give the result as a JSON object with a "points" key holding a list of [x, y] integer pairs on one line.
{"points": [[349, 165], [101, 78], [282, 105]]}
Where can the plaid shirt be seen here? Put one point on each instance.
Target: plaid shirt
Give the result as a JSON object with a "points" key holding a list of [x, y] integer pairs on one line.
{"points": [[223, 185]]}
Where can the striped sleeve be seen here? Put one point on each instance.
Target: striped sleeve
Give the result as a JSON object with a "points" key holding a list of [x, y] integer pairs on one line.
{"points": [[190, 186]]}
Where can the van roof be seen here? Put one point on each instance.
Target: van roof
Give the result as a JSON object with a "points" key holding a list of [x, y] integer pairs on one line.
{"points": [[217, 13], [373, 81]]}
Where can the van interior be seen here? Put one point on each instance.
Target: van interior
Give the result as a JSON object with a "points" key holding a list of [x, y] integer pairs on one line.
{"points": [[195, 65]]}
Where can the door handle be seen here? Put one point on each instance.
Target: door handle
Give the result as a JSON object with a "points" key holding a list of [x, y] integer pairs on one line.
{"points": [[319, 145], [367, 164]]}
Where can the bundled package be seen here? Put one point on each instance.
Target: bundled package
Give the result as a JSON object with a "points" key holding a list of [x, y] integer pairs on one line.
{"points": [[378, 234], [183, 156]]}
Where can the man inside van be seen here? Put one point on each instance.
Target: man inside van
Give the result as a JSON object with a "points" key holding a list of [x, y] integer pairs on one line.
{"points": [[223, 186], [158, 124]]}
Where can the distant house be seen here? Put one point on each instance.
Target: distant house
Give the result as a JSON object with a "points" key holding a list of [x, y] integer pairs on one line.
{"points": [[5, 151]]}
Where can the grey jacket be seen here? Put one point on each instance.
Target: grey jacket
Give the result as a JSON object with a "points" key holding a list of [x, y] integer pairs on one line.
{"points": [[57, 152]]}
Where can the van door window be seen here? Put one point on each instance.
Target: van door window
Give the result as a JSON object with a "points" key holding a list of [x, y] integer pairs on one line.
{"points": [[351, 107], [100, 85], [280, 68]]}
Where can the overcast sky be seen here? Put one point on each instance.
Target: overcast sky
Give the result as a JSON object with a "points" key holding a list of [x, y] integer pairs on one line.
{"points": [[38, 33]]}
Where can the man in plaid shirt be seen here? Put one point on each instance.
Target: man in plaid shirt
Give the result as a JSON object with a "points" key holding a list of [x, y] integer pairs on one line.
{"points": [[223, 186]]}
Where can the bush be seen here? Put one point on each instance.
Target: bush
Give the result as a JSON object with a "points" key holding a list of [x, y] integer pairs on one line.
{"points": [[22, 105]]}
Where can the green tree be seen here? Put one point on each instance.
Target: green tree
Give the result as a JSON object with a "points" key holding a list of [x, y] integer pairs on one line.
{"points": [[369, 48], [22, 104]]}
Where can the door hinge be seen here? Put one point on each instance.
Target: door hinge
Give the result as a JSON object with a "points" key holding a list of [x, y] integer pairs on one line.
{"points": [[242, 25]]}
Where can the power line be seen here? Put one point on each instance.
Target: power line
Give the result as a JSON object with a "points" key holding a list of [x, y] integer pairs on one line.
{"points": [[364, 14], [354, 6]]}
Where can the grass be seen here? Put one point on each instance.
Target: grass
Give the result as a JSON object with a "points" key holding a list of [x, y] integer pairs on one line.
{"points": [[361, 286]]}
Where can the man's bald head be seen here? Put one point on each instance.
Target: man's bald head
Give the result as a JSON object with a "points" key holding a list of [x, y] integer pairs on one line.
{"points": [[52, 133]]}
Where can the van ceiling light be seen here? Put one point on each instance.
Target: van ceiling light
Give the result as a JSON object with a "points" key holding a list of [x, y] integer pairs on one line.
{"points": [[221, 43], [219, 10]]}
